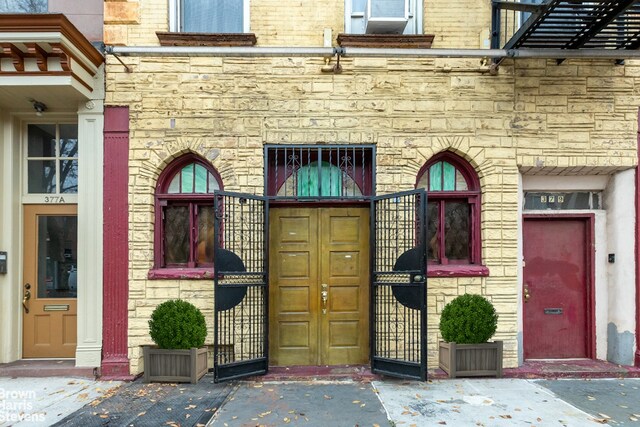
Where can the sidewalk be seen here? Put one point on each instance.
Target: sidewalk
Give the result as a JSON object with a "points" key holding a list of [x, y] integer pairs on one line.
{"points": [[44, 401], [317, 402]]}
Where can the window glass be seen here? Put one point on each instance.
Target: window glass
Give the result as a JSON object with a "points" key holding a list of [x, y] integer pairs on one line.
{"points": [[456, 232], [435, 177], [448, 177], [433, 222], [562, 200], [68, 141], [358, 6], [41, 140], [212, 16], [204, 252], [69, 176], [193, 178], [176, 235], [41, 176], [330, 183], [57, 256], [52, 158], [23, 6]]}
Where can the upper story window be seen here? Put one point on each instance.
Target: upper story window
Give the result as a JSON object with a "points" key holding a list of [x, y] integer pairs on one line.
{"points": [[383, 16], [52, 159], [453, 210], [184, 214], [24, 6], [209, 16]]}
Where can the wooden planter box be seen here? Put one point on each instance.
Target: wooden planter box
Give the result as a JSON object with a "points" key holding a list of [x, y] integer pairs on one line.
{"points": [[471, 360], [176, 366]]}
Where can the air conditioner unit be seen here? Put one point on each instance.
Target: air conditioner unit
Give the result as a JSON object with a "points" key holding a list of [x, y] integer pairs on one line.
{"points": [[386, 16]]}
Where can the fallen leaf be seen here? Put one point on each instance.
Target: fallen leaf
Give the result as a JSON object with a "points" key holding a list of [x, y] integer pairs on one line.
{"points": [[591, 398], [506, 416], [604, 415], [287, 420], [328, 397], [104, 416], [633, 418], [191, 407], [356, 401]]}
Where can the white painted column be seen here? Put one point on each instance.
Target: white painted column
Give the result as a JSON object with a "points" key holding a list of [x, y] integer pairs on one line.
{"points": [[90, 252], [10, 283], [621, 322]]}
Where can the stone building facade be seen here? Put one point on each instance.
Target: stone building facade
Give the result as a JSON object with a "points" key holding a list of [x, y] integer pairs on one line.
{"points": [[535, 126]]}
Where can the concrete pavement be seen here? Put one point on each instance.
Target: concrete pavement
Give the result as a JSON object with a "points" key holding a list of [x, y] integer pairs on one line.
{"points": [[44, 401], [315, 403]]}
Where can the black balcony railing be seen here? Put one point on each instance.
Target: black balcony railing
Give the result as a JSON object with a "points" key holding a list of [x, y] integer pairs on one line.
{"points": [[566, 24]]}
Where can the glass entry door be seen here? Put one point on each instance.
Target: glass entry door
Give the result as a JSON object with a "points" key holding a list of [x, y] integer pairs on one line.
{"points": [[50, 281]]}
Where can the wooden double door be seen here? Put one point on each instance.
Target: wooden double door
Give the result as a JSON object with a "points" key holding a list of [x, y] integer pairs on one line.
{"points": [[319, 286]]}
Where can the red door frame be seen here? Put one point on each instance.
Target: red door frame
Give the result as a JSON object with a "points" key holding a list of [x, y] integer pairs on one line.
{"points": [[590, 268]]}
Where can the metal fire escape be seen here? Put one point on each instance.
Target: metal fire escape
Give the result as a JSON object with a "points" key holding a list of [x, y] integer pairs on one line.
{"points": [[566, 24]]}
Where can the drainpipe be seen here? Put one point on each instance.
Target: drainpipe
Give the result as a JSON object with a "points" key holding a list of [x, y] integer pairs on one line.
{"points": [[265, 51], [637, 236]]}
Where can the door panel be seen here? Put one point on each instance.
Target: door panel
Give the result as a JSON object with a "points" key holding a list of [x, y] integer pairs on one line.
{"points": [[344, 328], [293, 291], [50, 286], [556, 280], [316, 250]]}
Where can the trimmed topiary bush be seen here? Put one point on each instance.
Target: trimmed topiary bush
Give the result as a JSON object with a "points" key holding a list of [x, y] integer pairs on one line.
{"points": [[177, 324], [468, 319]]}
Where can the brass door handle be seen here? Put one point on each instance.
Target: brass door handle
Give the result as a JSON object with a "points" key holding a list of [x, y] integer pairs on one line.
{"points": [[27, 297], [527, 295], [325, 296]]}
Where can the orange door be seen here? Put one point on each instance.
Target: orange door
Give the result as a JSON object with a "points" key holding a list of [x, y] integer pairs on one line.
{"points": [[318, 290], [50, 281]]}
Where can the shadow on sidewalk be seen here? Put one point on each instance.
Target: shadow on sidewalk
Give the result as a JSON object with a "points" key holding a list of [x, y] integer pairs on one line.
{"points": [[154, 404]]}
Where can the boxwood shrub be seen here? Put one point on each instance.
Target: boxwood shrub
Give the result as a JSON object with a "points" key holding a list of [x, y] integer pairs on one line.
{"points": [[468, 319], [177, 324]]}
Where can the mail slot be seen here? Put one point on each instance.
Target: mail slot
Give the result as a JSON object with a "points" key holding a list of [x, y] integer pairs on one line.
{"points": [[3, 263], [56, 307], [552, 311]]}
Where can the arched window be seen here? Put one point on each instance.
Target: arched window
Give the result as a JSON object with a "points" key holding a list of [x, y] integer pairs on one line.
{"points": [[184, 214], [453, 210]]}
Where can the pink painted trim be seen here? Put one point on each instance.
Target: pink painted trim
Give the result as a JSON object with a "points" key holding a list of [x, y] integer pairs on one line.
{"points": [[637, 250], [590, 220], [180, 273], [115, 362], [457, 271]]}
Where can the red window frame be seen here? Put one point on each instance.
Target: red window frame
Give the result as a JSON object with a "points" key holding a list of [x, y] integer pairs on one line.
{"points": [[443, 266], [193, 200]]}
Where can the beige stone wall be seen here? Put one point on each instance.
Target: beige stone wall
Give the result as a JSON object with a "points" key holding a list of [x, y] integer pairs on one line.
{"points": [[535, 116], [463, 23]]}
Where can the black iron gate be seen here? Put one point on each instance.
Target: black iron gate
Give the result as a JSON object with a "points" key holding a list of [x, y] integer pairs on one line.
{"points": [[240, 280], [398, 291]]}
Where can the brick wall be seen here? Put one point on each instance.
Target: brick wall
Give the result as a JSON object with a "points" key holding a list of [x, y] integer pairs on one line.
{"points": [[299, 23], [534, 116]]}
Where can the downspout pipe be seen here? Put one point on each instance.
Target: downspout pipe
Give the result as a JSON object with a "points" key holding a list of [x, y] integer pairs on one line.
{"points": [[266, 51]]}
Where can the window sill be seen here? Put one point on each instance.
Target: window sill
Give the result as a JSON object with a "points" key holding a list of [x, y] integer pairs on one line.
{"points": [[180, 273], [457, 271], [206, 39], [402, 41]]}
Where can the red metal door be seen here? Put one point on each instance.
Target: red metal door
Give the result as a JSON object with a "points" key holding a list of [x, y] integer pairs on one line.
{"points": [[556, 288]]}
